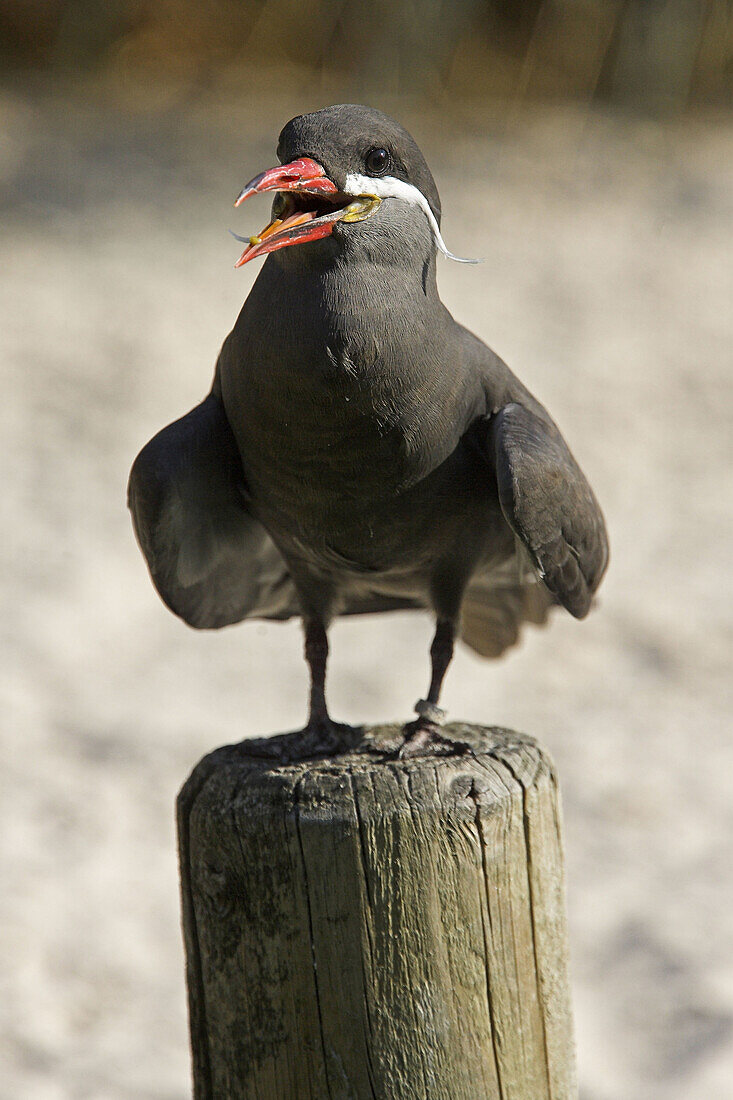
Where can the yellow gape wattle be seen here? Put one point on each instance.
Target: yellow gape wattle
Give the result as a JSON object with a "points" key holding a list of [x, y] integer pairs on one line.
{"points": [[361, 208]]}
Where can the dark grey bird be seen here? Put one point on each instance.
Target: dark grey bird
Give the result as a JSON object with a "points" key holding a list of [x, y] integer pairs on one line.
{"points": [[360, 451]]}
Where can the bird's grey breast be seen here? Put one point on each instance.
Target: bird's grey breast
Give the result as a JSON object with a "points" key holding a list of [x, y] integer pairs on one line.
{"points": [[348, 409], [331, 404]]}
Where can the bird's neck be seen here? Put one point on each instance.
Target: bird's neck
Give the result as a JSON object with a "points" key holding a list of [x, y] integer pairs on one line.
{"points": [[351, 310]]}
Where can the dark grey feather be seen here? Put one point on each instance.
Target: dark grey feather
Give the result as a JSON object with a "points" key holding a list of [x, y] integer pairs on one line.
{"points": [[550, 505], [211, 561]]}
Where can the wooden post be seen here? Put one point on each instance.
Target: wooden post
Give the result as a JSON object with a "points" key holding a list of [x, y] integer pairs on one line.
{"points": [[361, 926]]}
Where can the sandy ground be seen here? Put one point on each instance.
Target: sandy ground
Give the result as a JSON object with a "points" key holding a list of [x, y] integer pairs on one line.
{"points": [[608, 287]]}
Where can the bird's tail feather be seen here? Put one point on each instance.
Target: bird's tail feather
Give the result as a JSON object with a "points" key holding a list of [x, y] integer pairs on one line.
{"points": [[495, 606]]}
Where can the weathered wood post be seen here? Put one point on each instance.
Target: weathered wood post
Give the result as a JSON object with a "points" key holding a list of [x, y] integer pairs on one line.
{"points": [[362, 926]]}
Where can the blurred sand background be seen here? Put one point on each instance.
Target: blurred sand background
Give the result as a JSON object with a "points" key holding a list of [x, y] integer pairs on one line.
{"points": [[586, 151]]}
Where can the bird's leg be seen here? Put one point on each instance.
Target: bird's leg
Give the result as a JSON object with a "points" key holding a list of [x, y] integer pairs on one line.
{"points": [[425, 730], [316, 654], [441, 655], [321, 735]]}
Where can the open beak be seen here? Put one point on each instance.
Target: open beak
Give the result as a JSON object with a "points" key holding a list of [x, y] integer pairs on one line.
{"points": [[307, 206]]}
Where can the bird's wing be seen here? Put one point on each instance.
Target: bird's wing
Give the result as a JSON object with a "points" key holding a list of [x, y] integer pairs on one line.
{"points": [[549, 505], [211, 561]]}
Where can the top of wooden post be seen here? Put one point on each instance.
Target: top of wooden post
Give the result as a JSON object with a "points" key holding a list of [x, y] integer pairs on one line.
{"points": [[516, 759], [363, 925]]}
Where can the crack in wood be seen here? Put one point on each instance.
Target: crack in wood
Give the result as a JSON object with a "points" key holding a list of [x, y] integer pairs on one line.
{"points": [[473, 793], [296, 809]]}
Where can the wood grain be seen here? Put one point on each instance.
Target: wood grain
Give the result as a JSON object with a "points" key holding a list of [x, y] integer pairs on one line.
{"points": [[362, 926]]}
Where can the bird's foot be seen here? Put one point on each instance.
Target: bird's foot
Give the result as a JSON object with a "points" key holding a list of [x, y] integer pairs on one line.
{"points": [[424, 735], [421, 738], [324, 737]]}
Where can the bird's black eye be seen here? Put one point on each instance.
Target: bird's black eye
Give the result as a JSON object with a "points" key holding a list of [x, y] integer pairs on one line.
{"points": [[377, 161]]}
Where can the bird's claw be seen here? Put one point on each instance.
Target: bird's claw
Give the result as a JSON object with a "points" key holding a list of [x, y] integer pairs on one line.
{"points": [[426, 738], [421, 738], [323, 737]]}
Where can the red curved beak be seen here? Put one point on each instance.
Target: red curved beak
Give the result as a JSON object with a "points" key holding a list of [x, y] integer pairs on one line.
{"points": [[298, 222], [300, 175]]}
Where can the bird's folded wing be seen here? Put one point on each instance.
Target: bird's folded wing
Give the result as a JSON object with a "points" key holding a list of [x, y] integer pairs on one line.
{"points": [[549, 505], [211, 561]]}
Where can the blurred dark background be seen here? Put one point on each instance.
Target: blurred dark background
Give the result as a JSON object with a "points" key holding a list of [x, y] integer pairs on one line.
{"points": [[648, 55]]}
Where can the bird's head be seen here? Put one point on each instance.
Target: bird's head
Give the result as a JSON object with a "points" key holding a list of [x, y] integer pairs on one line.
{"points": [[352, 174]]}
